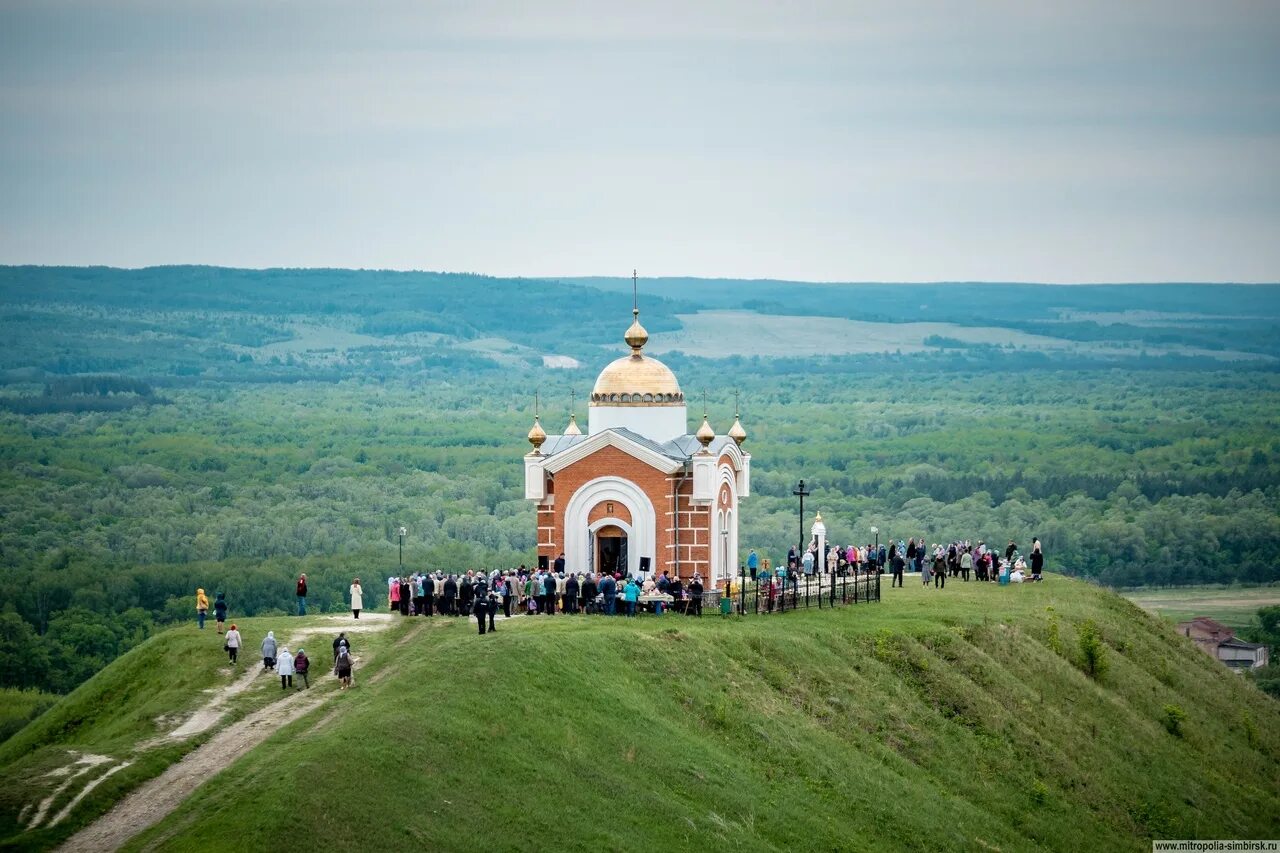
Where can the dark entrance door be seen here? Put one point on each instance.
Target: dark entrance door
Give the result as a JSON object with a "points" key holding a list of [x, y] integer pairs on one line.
{"points": [[611, 556]]}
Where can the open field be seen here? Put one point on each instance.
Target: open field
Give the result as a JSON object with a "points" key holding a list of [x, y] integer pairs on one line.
{"points": [[1234, 606], [720, 334]]}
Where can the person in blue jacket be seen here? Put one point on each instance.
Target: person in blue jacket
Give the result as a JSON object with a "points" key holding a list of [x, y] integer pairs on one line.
{"points": [[632, 594]]}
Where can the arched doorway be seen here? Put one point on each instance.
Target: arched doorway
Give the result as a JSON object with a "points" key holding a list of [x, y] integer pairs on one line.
{"points": [[611, 549]]}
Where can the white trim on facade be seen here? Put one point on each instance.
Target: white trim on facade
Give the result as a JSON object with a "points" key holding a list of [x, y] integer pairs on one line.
{"points": [[641, 535]]}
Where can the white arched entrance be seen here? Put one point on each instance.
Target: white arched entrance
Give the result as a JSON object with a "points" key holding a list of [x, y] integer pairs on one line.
{"points": [[724, 532], [578, 530]]}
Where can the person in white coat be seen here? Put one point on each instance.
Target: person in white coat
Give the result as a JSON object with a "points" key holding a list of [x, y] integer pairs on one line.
{"points": [[284, 667], [357, 598], [231, 643]]}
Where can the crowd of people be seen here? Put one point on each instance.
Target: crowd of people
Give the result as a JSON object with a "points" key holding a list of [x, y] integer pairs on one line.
{"points": [[934, 562], [545, 591], [277, 658], [482, 593]]}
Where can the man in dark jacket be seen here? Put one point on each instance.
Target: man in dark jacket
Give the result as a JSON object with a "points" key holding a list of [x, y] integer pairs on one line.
{"points": [[695, 597], [480, 595], [558, 568], [466, 593], [571, 594], [428, 594], [589, 591], [302, 595], [341, 640], [549, 590], [450, 593], [899, 565]]}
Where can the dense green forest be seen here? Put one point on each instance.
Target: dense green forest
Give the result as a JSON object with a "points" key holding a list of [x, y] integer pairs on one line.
{"points": [[163, 430]]}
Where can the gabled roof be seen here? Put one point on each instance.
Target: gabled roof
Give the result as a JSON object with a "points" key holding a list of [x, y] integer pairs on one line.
{"points": [[1233, 643], [566, 450], [1208, 624]]}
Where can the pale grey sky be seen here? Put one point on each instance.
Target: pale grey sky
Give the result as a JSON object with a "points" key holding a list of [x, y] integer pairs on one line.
{"points": [[891, 141]]}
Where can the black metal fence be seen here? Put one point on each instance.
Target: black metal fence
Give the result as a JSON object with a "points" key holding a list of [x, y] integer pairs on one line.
{"points": [[802, 592]]}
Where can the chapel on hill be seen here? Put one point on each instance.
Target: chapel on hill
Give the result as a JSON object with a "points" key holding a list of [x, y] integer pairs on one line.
{"points": [[638, 493]]}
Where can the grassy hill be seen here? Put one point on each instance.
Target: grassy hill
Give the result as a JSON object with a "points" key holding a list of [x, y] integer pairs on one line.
{"points": [[957, 719]]}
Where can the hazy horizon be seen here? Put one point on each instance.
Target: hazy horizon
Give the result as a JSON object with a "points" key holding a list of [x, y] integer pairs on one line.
{"points": [[885, 142]]}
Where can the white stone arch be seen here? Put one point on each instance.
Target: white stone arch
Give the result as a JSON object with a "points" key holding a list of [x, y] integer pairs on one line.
{"points": [[641, 532], [725, 566]]}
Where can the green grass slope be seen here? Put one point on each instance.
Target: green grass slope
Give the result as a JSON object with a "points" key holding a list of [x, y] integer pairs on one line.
{"points": [[954, 719], [121, 713]]}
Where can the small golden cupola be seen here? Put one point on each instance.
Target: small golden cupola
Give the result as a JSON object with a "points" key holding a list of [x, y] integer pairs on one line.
{"points": [[537, 435], [637, 336], [736, 432], [705, 434]]}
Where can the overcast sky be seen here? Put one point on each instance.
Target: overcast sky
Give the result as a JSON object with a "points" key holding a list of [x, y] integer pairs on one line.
{"points": [[846, 141]]}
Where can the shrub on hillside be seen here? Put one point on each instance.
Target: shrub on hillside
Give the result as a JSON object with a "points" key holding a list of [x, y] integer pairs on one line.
{"points": [[1093, 652], [1174, 717]]}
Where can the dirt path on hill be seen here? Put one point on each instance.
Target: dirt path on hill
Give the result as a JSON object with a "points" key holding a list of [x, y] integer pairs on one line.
{"points": [[211, 713], [148, 804]]}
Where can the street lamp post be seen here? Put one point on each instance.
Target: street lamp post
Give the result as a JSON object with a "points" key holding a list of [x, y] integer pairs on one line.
{"points": [[802, 493], [403, 531], [876, 561]]}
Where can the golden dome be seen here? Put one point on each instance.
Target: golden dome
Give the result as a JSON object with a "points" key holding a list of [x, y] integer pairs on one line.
{"points": [[635, 380], [537, 435], [705, 433], [572, 428], [736, 432]]}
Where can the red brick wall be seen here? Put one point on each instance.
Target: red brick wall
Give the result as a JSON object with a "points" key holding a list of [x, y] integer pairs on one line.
{"points": [[695, 525]]}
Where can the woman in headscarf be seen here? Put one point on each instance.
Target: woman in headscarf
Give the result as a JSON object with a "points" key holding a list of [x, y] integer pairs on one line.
{"points": [[202, 607], [357, 598], [393, 593], [301, 663], [405, 595], [269, 651], [342, 667], [284, 668]]}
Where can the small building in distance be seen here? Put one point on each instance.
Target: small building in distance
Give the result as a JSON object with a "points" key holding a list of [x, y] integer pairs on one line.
{"points": [[639, 494], [1220, 642]]}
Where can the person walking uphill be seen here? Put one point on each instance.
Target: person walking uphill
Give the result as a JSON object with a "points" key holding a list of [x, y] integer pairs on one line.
{"points": [[301, 663], [302, 594], [340, 642], [284, 668], [269, 651], [220, 609], [232, 644], [202, 607], [342, 668]]}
